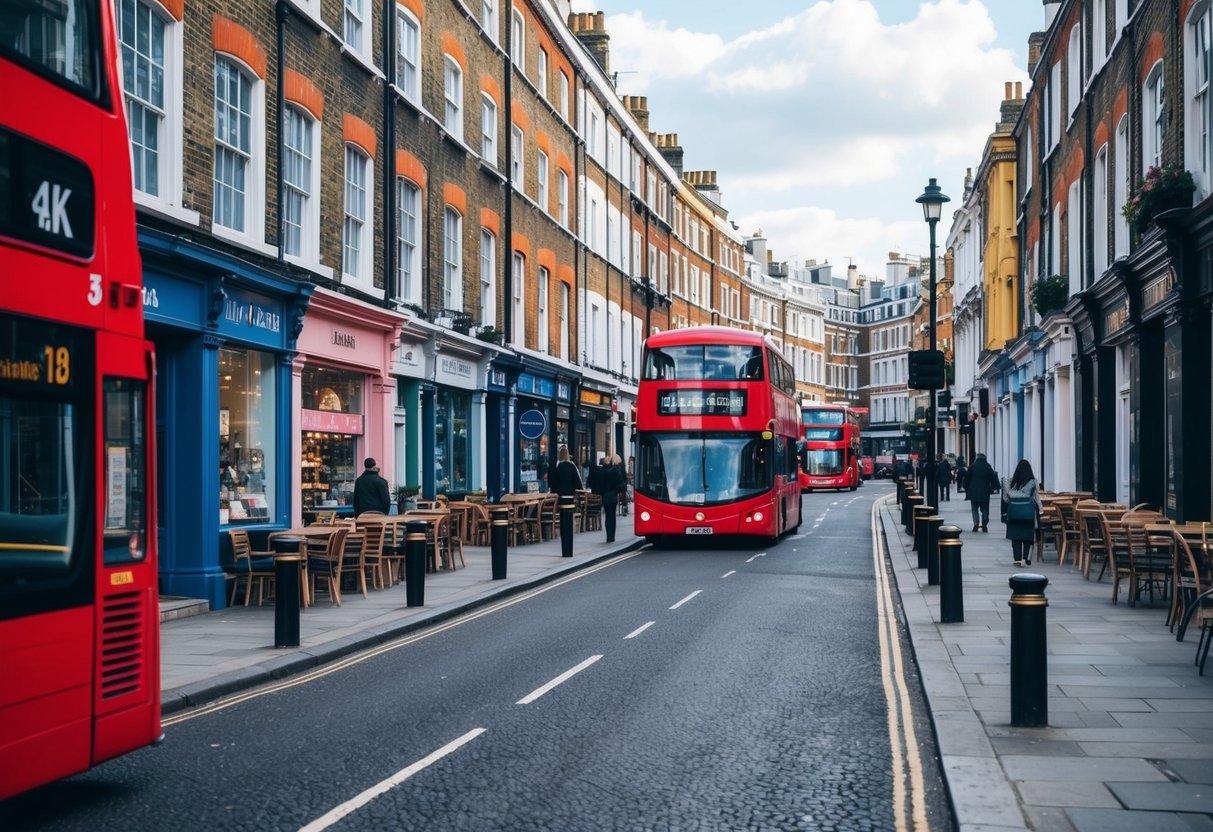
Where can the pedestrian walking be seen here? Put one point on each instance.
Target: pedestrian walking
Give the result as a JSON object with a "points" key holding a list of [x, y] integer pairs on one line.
{"points": [[566, 479], [980, 483], [1021, 506], [610, 480], [961, 471], [920, 474], [943, 473], [370, 490]]}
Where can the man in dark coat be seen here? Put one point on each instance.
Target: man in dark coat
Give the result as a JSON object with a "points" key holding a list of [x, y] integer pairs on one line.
{"points": [[943, 472], [961, 472], [607, 481], [370, 490], [980, 482]]}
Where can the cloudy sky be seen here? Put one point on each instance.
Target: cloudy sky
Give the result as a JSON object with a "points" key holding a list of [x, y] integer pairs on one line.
{"points": [[825, 119]]}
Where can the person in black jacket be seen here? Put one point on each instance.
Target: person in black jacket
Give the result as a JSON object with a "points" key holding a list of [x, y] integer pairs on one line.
{"points": [[980, 482], [370, 490], [566, 479], [607, 481], [943, 474]]}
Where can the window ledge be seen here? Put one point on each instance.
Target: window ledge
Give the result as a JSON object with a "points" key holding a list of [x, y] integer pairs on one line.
{"points": [[365, 287], [313, 266], [160, 208], [357, 57], [243, 240], [408, 100]]}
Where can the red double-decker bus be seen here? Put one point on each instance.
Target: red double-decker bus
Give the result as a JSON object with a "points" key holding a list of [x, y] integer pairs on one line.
{"points": [[79, 619], [831, 455], [716, 434]]}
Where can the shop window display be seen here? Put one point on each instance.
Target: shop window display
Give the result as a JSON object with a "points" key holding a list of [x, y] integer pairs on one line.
{"points": [[452, 412], [247, 449], [329, 464]]}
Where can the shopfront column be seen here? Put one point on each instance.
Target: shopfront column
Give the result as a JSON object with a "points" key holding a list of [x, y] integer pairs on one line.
{"points": [[1187, 357], [480, 444]]}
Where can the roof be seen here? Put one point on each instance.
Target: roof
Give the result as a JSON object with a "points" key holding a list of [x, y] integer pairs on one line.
{"points": [[706, 334]]}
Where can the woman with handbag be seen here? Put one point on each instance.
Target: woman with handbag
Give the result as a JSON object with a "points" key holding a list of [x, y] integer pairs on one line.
{"points": [[1021, 504]]}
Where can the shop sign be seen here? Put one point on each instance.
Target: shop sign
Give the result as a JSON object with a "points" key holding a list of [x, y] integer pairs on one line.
{"points": [[328, 421], [249, 313], [701, 403], [343, 339], [532, 424], [593, 398], [1155, 292], [410, 356], [169, 300], [456, 371], [497, 379], [1115, 318]]}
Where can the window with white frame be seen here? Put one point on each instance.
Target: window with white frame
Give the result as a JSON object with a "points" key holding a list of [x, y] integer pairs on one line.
{"points": [[1054, 90], [453, 91], [488, 278], [488, 18], [543, 338], [1120, 188], [452, 259], [1099, 34], [301, 181], [1196, 77], [519, 299], [541, 172], [1152, 106], [562, 198], [695, 285], [408, 54], [706, 294], [356, 26], [518, 41], [1074, 68], [239, 140], [1122, 16], [356, 231], [1074, 224], [1055, 240], [592, 222], [408, 241], [1100, 214], [541, 73], [143, 30], [564, 320], [562, 102], [488, 129], [516, 156]]}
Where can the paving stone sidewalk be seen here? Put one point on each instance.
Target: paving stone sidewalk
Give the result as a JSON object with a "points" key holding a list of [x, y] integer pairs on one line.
{"points": [[1129, 744]]}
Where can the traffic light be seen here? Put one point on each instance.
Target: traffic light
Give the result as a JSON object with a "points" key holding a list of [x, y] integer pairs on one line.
{"points": [[945, 399], [926, 370]]}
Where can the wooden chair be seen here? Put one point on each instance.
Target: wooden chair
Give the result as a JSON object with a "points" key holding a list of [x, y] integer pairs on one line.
{"points": [[324, 518], [591, 518], [1071, 543], [371, 554], [393, 553], [1152, 556], [479, 525], [1093, 548], [549, 518], [324, 561], [455, 524], [1049, 530], [1120, 564], [1193, 576], [255, 568]]}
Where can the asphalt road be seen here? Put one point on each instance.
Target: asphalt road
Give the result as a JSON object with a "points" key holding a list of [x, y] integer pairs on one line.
{"points": [[731, 688]]}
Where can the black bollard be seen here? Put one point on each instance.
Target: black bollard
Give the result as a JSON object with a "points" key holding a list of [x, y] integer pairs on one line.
{"points": [[1029, 651], [286, 600], [905, 504], [414, 562], [497, 538], [901, 488], [921, 513], [912, 501], [951, 592], [567, 505], [931, 539]]}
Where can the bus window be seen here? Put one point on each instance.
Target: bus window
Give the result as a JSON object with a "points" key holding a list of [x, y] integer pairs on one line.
{"points": [[38, 495], [125, 452], [58, 40], [699, 362]]}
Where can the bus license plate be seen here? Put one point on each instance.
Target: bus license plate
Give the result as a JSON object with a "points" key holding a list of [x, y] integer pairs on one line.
{"points": [[699, 529]]}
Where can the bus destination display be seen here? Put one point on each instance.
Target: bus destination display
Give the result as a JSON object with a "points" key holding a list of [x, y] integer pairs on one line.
{"points": [[37, 356], [701, 403]]}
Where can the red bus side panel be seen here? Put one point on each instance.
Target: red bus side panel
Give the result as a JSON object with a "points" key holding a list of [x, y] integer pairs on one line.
{"points": [[45, 698]]}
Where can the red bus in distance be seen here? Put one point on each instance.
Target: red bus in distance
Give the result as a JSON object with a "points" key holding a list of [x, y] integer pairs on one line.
{"points": [[831, 455], [79, 612], [716, 434]]}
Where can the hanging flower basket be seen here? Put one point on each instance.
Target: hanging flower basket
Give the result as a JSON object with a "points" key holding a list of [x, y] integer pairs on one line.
{"points": [[1161, 190]]}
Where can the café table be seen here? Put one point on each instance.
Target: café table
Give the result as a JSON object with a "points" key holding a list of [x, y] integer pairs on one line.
{"points": [[434, 519]]}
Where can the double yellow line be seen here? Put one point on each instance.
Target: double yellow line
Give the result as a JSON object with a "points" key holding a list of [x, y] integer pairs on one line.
{"points": [[909, 805]]}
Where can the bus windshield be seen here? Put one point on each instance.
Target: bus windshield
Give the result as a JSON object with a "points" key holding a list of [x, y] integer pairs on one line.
{"points": [[703, 468], [58, 39], [704, 362], [823, 417], [823, 463]]}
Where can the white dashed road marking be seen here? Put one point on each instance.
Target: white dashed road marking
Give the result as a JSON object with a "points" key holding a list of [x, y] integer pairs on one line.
{"points": [[639, 630], [688, 598], [561, 679]]}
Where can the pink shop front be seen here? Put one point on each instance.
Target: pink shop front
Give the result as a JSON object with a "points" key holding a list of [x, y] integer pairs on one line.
{"points": [[344, 395]]}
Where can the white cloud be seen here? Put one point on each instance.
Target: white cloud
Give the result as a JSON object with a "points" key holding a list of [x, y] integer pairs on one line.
{"points": [[828, 113]]}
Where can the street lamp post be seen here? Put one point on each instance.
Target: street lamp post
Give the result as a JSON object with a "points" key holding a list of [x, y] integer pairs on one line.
{"points": [[932, 201]]}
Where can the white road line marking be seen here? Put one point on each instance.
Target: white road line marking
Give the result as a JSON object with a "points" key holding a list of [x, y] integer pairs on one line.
{"points": [[759, 555], [353, 805], [734, 571], [559, 680], [639, 630], [688, 598]]}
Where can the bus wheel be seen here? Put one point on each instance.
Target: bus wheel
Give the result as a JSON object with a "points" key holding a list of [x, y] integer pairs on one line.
{"points": [[653, 540], [799, 514]]}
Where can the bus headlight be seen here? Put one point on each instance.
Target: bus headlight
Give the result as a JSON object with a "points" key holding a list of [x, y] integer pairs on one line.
{"points": [[758, 517], [645, 516]]}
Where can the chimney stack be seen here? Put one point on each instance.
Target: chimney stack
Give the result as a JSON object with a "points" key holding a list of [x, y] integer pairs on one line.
{"points": [[671, 150], [638, 106], [590, 29]]}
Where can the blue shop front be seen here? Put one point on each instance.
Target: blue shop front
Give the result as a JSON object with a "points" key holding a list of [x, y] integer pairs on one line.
{"points": [[224, 333]]}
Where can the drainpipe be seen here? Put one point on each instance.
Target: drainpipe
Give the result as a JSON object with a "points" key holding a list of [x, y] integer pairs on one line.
{"points": [[507, 318], [283, 12], [389, 160]]}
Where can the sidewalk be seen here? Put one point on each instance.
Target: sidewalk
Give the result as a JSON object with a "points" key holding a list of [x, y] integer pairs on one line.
{"points": [[1130, 739], [204, 657]]}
